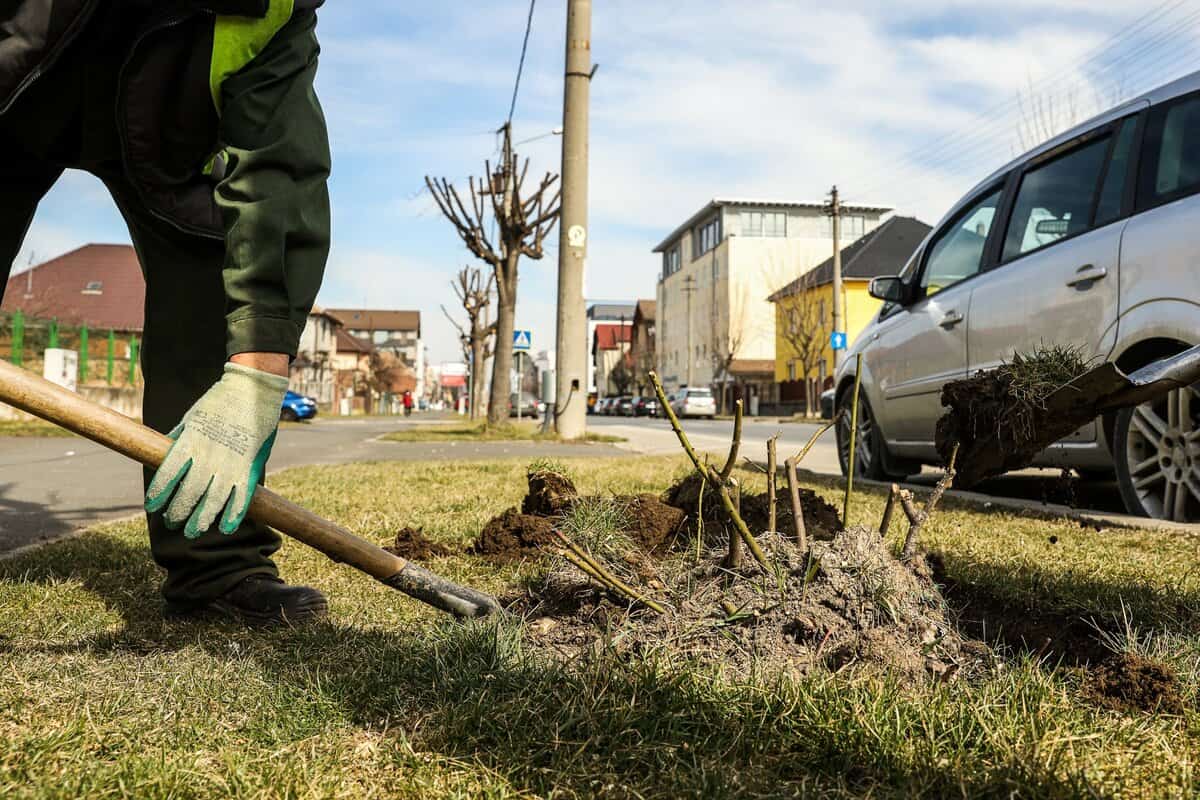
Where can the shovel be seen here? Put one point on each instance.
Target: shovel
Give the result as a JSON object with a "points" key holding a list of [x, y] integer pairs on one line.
{"points": [[117, 432], [1099, 390]]}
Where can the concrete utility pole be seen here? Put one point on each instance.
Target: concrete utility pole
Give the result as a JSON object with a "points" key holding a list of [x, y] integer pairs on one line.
{"points": [[572, 345], [834, 209], [689, 288]]}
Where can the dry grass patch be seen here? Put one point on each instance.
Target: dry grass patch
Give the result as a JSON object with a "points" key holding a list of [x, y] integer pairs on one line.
{"points": [[101, 697]]}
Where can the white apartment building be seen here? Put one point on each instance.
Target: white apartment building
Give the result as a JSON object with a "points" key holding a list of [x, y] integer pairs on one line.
{"points": [[719, 267]]}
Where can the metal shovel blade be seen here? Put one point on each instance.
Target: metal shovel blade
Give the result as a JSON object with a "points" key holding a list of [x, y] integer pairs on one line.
{"points": [[1107, 388]]}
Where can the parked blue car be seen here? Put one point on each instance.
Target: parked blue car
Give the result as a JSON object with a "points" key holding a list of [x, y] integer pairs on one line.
{"points": [[297, 407]]}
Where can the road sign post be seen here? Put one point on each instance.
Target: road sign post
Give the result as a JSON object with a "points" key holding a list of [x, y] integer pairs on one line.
{"points": [[837, 341], [522, 341]]}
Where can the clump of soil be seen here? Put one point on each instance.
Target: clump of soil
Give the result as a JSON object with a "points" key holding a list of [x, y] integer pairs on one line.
{"points": [[550, 494], [653, 525], [821, 520], [1128, 681], [999, 417], [513, 536], [848, 604], [414, 545]]}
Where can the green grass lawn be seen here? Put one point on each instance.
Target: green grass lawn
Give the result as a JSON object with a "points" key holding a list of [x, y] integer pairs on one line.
{"points": [[479, 432], [100, 697], [31, 428]]}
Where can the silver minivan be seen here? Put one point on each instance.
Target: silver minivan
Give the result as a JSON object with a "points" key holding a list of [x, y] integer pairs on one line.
{"points": [[694, 401], [1090, 240]]}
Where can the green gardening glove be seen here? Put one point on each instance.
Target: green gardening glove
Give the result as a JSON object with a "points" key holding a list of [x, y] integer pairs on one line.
{"points": [[220, 452]]}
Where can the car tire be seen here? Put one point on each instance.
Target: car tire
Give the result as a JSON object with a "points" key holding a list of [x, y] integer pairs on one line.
{"points": [[873, 460], [287, 415], [1156, 451]]}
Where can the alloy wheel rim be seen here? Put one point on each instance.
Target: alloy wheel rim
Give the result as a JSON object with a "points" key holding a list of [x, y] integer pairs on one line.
{"points": [[1162, 449], [862, 441]]}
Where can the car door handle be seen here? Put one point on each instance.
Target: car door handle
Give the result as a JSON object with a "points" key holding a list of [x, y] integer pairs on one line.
{"points": [[951, 319], [1086, 274]]}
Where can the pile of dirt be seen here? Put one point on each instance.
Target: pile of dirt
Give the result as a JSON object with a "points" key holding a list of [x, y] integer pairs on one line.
{"points": [[513, 536], [412, 544], [550, 494], [821, 520], [1129, 682], [516, 534], [653, 525], [999, 418], [848, 604]]}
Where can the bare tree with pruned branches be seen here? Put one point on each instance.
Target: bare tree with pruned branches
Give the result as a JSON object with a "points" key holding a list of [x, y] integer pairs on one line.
{"points": [[474, 295], [729, 336], [804, 323], [522, 225]]}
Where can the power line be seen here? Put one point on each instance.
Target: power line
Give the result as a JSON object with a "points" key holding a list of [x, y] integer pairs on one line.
{"points": [[958, 142], [521, 64], [983, 139]]}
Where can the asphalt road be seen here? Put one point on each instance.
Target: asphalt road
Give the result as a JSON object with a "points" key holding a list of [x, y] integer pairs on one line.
{"points": [[1034, 486], [52, 487]]}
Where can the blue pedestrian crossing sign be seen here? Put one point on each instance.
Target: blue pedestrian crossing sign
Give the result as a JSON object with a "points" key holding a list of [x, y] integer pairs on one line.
{"points": [[522, 340], [837, 340]]}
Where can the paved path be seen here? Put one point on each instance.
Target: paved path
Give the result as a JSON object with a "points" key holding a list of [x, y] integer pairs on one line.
{"points": [[51, 487]]}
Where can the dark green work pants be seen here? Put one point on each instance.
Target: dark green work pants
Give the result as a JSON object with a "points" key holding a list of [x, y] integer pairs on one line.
{"points": [[182, 355]]}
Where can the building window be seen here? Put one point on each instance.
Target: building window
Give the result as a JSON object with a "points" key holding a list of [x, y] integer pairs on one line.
{"points": [[853, 227], [706, 236], [764, 223], [671, 261], [94, 287], [775, 224], [821, 312], [791, 370]]}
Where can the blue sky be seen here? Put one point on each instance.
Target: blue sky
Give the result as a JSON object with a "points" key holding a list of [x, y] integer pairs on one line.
{"points": [[903, 104]]}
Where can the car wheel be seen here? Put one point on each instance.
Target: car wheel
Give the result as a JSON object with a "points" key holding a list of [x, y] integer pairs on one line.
{"points": [[1156, 449], [868, 444], [287, 415]]}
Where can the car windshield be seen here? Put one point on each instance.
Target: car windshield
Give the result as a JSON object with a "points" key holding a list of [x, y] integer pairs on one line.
{"points": [[700, 393]]}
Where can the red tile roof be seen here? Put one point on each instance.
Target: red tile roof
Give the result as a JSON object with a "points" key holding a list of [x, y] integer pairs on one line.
{"points": [[607, 337], [59, 288], [351, 344], [368, 319]]}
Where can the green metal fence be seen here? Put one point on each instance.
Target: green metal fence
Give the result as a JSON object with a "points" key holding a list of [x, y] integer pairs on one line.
{"points": [[25, 338]]}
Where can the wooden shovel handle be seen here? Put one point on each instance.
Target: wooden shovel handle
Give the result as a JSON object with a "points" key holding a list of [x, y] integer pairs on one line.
{"points": [[118, 432]]}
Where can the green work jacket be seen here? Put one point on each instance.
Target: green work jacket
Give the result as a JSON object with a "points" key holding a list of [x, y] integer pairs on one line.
{"points": [[220, 132]]}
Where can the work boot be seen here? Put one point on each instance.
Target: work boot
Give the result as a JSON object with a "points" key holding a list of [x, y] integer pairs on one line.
{"points": [[262, 600]]}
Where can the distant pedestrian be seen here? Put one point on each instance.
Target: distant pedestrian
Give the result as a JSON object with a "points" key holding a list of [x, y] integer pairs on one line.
{"points": [[408, 404]]}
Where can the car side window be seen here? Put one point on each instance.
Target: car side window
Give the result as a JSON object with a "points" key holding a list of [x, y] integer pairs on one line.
{"points": [[1171, 162], [1055, 199], [957, 253], [1112, 193]]}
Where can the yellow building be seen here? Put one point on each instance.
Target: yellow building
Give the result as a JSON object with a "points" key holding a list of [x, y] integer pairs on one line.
{"points": [[804, 308]]}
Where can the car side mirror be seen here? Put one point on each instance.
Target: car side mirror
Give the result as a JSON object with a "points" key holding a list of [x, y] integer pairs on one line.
{"points": [[889, 288]]}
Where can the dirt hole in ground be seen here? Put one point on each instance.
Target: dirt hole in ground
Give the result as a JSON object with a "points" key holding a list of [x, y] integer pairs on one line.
{"points": [[1128, 681], [1060, 638], [414, 545]]}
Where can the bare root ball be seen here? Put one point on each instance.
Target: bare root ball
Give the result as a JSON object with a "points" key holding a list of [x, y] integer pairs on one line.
{"points": [[851, 604]]}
